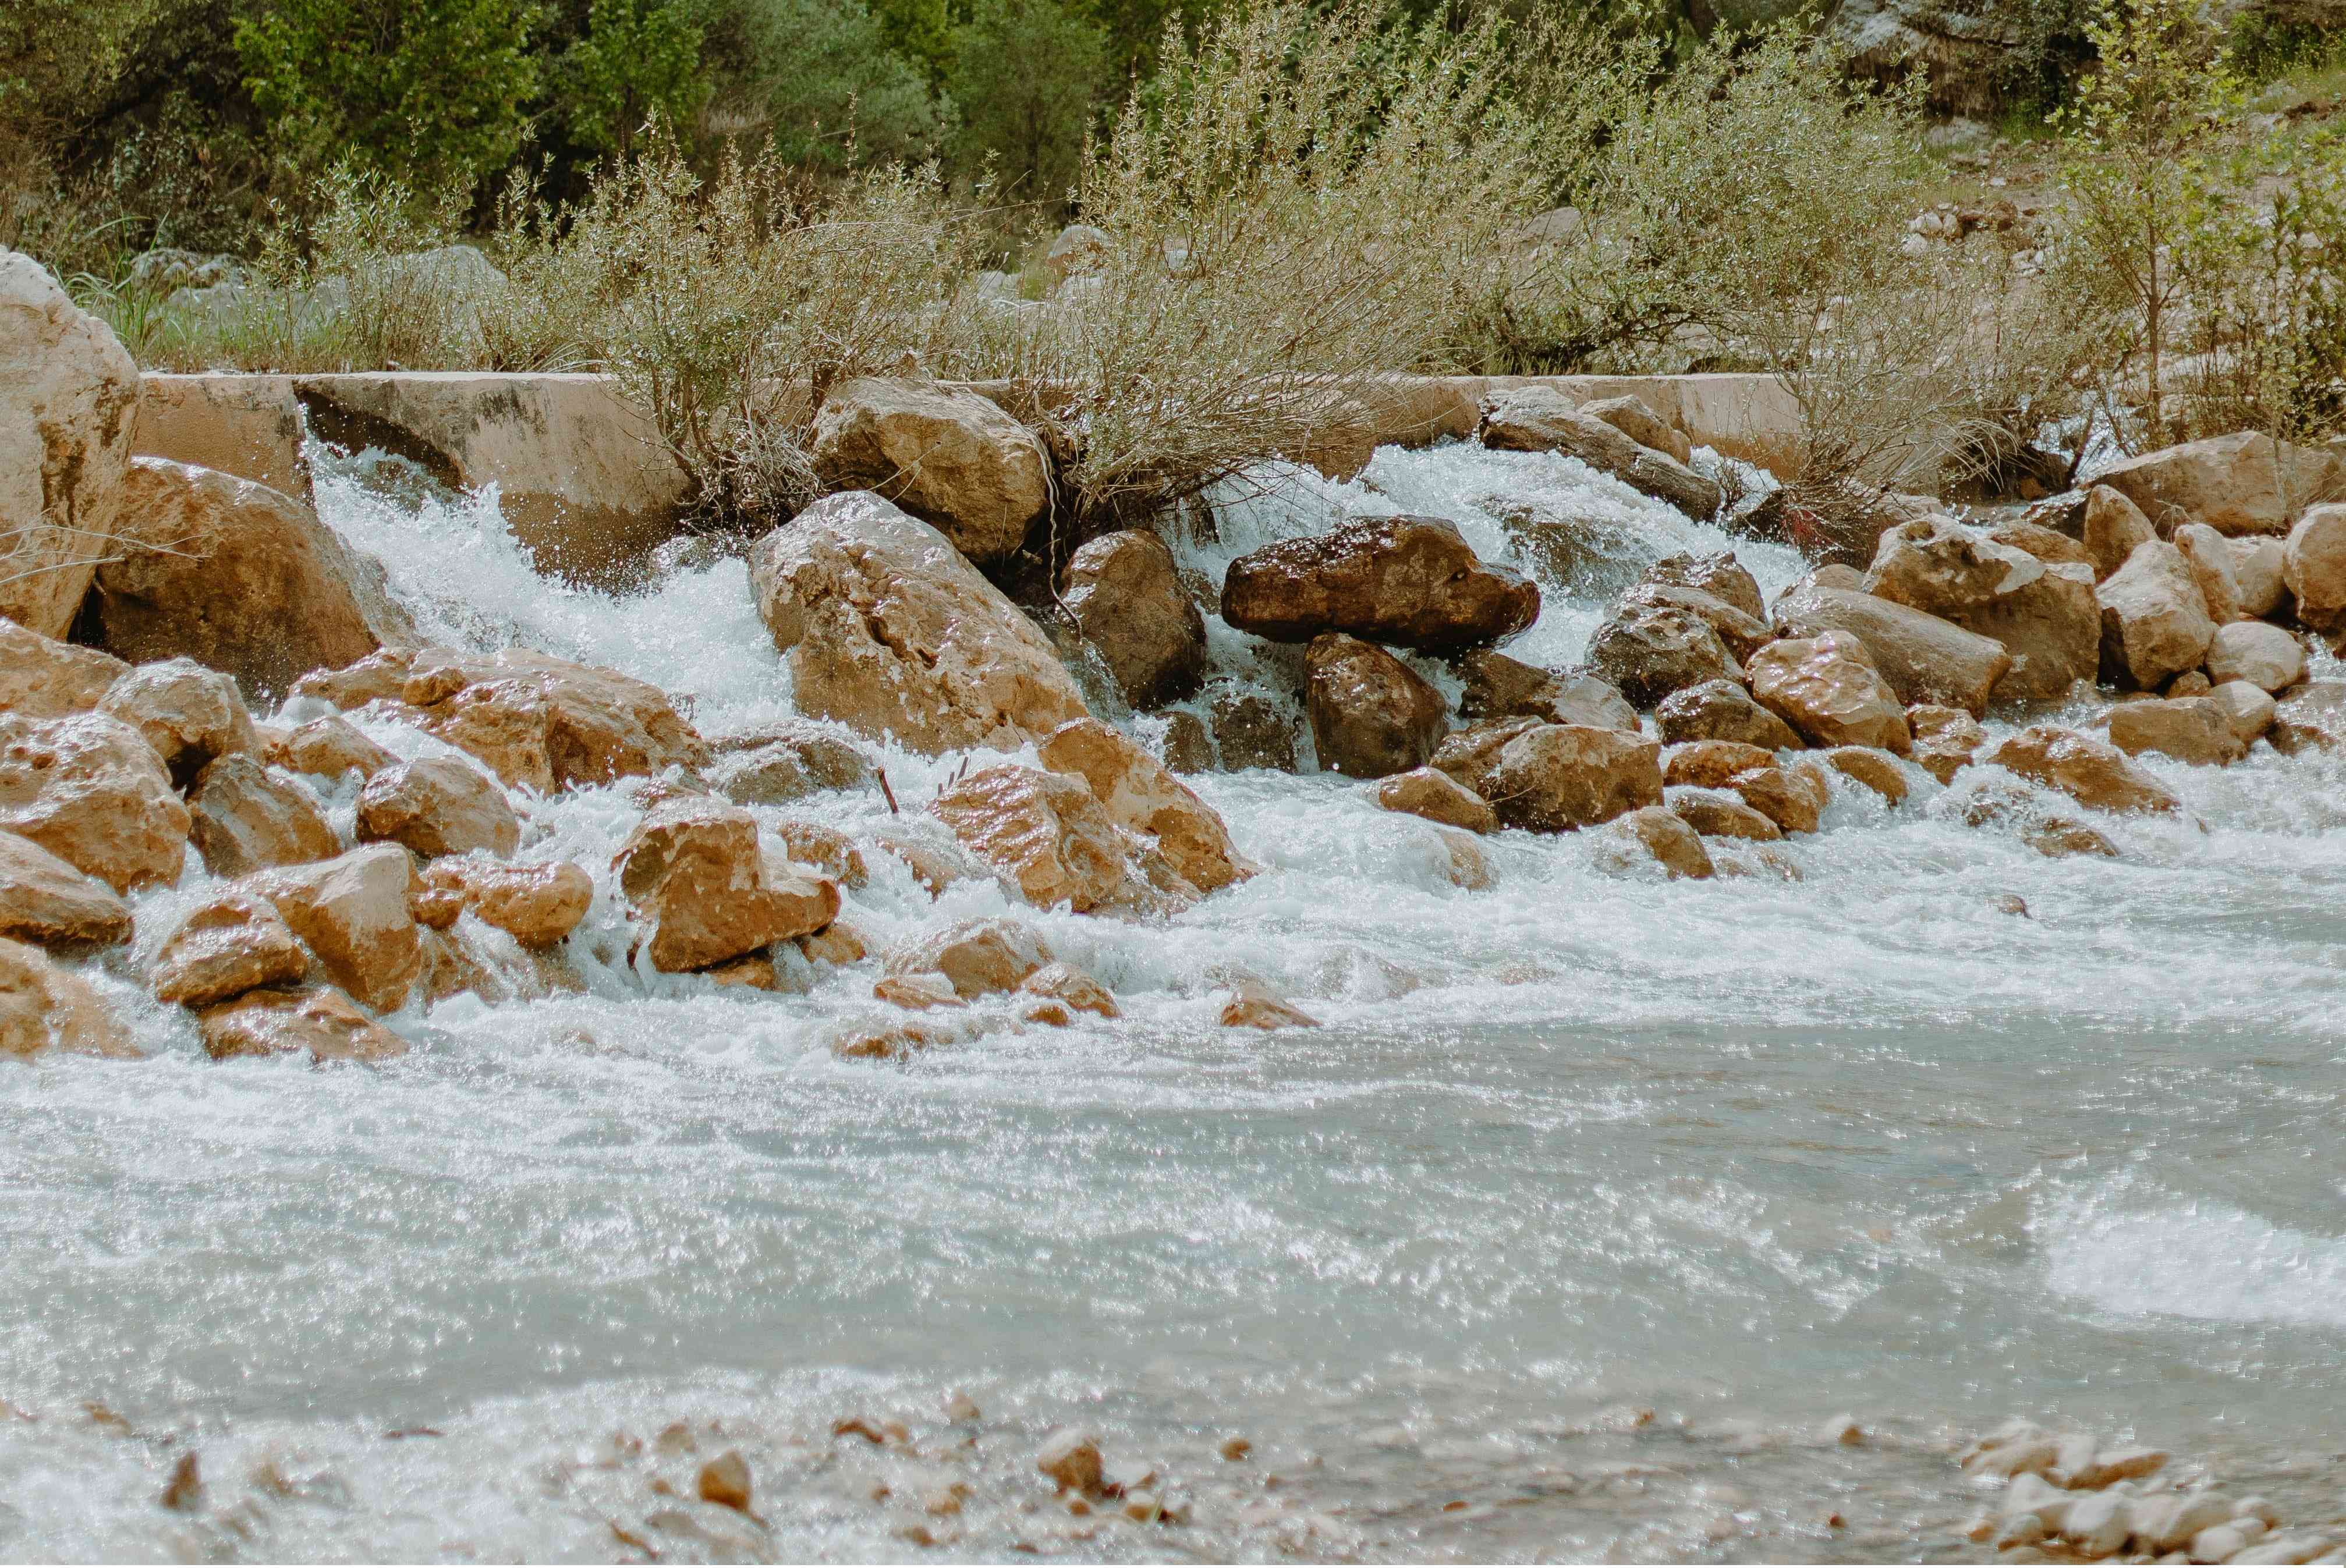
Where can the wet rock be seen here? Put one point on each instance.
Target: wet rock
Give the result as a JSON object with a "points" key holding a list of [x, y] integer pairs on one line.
{"points": [[695, 875], [2310, 718], [1718, 814], [778, 763], [753, 972], [1558, 777], [952, 459], [1651, 650], [537, 905], [1658, 835], [1370, 714], [2046, 617], [1945, 739], [321, 1020], [184, 1494], [1066, 985], [1433, 795], [236, 943], [352, 912], [189, 714], [1051, 838], [2155, 624], [1722, 710], [240, 578], [2314, 567], [2115, 529], [1411, 582], [91, 791], [246, 818], [1877, 771], [2260, 568], [2241, 484], [328, 747], [2190, 683], [827, 849], [2209, 555], [892, 633], [1142, 795], [1071, 1458], [1469, 755], [1254, 1005], [2189, 729], [1792, 797], [1641, 424], [547, 724], [66, 409], [44, 1007], [725, 1481], [838, 943], [1711, 763], [1540, 419], [1251, 731], [2246, 709], [2091, 772], [48, 901], [1739, 633], [2097, 1526], [2264, 655], [1497, 686], [1827, 689], [41, 678], [1463, 860], [1719, 574], [1923, 657], [977, 957], [437, 806], [1127, 601]]}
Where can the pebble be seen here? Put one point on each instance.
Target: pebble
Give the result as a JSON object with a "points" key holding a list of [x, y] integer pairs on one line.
{"points": [[1842, 1431], [725, 1481], [1235, 1449], [856, 1426], [1072, 1458], [185, 1493], [961, 1408], [942, 1501]]}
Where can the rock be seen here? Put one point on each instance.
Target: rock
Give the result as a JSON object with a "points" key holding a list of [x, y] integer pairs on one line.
{"points": [[2091, 772], [1719, 574], [1253, 1005], [827, 849], [91, 791], [2310, 718], [1370, 714], [1923, 657], [44, 1007], [952, 459], [977, 957], [1252, 731], [1497, 686], [2046, 617], [1411, 582], [1722, 710], [695, 875], [1049, 835], [917, 991], [1742, 634], [437, 806], [2209, 555], [1438, 797], [2260, 568], [1540, 419], [1072, 1458], [1463, 862], [1633, 418], [2263, 654], [238, 578], [1945, 739], [537, 905], [2314, 567], [41, 678], [2049, 545], [328, 747], [320, 1021], [47, 900], [1791, 797], [1077, 250], [189, 714], [836, 943], [1127, 601], [2246, 483], [2246, 709], [725, 1481], [1141, 794], [236, 943], [1718, 814], [2219, 1544], [547, 724], [1711, 763], [1072, 988], [1827, 689], [1188, 745], [1877, 771], [891, 632], [246, 819], [352, 912], [67, 395], [1558, 777], [2189, 729], [1661, 836], [2097, 1526], [1468, 756], [2190, 683], [2115, 529], [2155, 624], [1652, 650]]}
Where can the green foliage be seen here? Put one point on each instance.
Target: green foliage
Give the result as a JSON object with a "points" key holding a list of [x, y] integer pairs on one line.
{"points": [[817, 78], [920, 31], [638, 60], [1026, 75]]}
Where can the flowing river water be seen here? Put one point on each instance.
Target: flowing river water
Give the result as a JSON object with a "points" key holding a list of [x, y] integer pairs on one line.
{"points": [[1593, 1202]]}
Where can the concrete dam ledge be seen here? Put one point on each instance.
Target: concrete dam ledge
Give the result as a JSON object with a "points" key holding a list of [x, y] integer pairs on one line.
{"points": [[587, 486]]}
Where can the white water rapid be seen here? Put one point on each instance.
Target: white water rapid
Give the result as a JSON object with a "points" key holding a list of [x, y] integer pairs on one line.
{"points": [[1746, 1153]]}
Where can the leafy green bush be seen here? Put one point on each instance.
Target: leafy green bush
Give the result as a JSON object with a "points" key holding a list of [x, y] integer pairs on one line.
{"points": [[1025, 75]]}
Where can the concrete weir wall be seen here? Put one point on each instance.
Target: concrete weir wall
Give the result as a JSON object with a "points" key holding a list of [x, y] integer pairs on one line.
{"points": [[587, 486]]}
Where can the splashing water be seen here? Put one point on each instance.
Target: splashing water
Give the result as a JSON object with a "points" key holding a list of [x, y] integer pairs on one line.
{"points": [[1747, 1153]]}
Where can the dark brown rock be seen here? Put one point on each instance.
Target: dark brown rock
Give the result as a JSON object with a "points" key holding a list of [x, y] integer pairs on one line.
{"points": [[1370, 714], [1128, 603], [1652, 650], [1410, 582], [1722, 710], [1252, 731], [1558, 777]]}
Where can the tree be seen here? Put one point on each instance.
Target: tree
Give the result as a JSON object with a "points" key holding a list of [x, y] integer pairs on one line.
{"points": [[921, 31], [1026, 76], [429, 91], [818, 77], [638, 60]]}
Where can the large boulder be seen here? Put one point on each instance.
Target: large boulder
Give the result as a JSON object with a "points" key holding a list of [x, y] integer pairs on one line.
{"points": [[1142, 796], [235, 943], [1050, 837], [68, 393], [47, 901], [2212, 562], [1827, 689], [352, 912], [1924, 658], [2267, 656], [189, 714], [2313, 565], [1722, 710], [1650, 651], [1127, 601], [238, 577], [91, 791], [1558, 777], [1370, 714], [437, 806], [2246, 483], [890, 631], [246, 818], [537, 905], [2260, 572], [2044, 615], [696, 877], [41, 678], [1541, 419], [2091, 772], [1410, 581], [2114, 527], [2154, 624], [952, 459], [44, 1007]]}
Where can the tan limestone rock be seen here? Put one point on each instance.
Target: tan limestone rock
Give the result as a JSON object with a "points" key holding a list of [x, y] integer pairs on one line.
{"points": [[2211, 559], [321, 1020], [1050, 837], [547, 723], [41, 678], [233, 944], [1559, 777], [1711, 763], [695, 874], [1641, 424], [2257, 652], [1720, 813], [1878, 770], [917, 991], [189, 714], [1066, 985], [44, 1007], [328, 747], [2154, 624], [1128, 603], [2247, 708], [1410, 581], [1469, 755], [953, 459], [2049, 545], [1945, 739], [1827, 689], [2246, 483], [2189, 729], [2310, 718], [536, 904], [1925, 657], [2115, 529], [90, 790], [2313, 567], [352, 912], [827, 849], [2091, 772], [977, 957], [2044, 615], [246, 817], [1790, 797], [48, 901], [1433, 795], [437, 806], [1660, 836], [1142, 795], [2260, 567], [837, 943]]}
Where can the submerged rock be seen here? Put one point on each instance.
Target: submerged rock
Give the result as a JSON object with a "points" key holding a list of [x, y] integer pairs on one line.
{"points": [[1254, 1005], [1370, 714], [1410, 582], [977, 957], [1720, 813], [44, 1007], [2091, 772], [1071, 987], [1660, 836], [320, 1021], [1945, 739]]}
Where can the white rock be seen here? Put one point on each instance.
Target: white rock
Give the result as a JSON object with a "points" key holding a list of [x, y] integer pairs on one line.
{"points": [[2098, 1525], [2218, 1544], [2256, 651]]}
